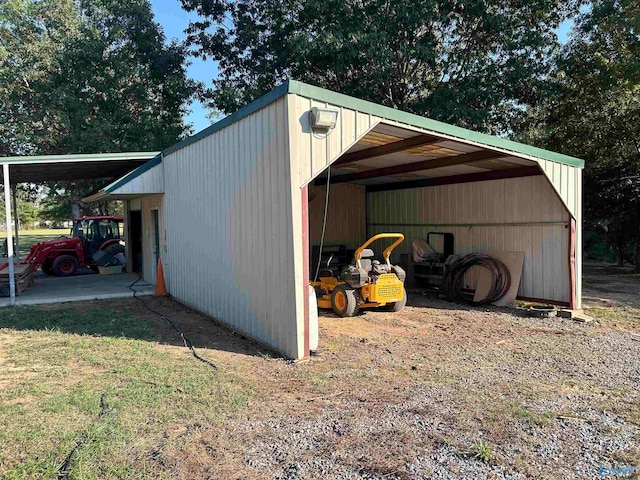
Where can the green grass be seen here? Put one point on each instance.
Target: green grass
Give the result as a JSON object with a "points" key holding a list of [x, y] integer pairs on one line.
{"points": [[31, 237], [55, 367], [626, 317], [482, 451], [540, 419]]}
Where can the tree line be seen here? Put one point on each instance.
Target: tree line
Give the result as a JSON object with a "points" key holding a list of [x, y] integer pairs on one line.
{"points": [[98, 75]]}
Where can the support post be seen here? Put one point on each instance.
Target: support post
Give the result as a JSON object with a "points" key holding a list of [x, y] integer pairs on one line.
{"points": [[16, 221], [7, 209]]}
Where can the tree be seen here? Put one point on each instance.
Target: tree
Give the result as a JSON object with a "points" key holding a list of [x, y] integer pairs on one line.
{"points": [[473, 63], [107, 82], [594, 115]]}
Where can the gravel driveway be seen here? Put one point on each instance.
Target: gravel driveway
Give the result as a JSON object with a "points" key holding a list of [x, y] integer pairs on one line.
{"points": [[437, 391]]}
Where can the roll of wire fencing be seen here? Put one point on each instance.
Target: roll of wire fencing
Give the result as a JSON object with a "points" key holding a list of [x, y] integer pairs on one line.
{"points": [[454, 279]]}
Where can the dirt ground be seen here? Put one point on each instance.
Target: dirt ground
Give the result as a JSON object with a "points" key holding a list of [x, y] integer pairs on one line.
{"points": [[436, 391], [610, 286]]}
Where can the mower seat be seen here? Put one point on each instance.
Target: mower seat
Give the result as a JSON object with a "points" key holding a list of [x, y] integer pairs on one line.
{"points": [[366, 259]]}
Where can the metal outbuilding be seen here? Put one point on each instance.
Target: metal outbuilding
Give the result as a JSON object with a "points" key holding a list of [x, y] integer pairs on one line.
{"points": [[232, 211]]}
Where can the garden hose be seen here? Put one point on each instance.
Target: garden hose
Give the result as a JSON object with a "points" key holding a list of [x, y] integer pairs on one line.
{"points": [[454, 279]]}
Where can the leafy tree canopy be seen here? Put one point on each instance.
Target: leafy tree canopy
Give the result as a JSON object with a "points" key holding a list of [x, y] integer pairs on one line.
{"points": [[88, 76], [594, 114], [473, 63]]}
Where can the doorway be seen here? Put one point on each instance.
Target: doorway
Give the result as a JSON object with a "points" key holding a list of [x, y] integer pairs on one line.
{"points": [[135, 231]]}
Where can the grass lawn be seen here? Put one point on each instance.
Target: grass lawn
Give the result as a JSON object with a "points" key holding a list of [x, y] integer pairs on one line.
{"points": [[31, 237], [58, 363]]}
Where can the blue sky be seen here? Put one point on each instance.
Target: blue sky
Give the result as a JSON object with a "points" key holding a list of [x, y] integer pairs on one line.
{"points": [[174, 20]]}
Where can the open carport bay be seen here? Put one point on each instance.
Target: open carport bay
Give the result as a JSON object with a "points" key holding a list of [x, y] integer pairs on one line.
{"points": [[89, 286]]}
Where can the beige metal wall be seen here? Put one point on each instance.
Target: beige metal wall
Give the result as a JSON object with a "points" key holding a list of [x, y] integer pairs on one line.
{"points": [[312, 152], [346, 215], [230, 251], [149, 265], [519, 214], [151, 181]]}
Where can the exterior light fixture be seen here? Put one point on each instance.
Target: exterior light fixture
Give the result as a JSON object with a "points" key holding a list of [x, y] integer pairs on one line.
{"points": [[323, 118]]}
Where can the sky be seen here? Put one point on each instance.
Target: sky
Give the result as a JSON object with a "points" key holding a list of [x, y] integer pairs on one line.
{"points": [[174, 20]]}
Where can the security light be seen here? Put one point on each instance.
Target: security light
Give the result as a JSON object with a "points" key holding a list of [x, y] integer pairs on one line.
{"points": [[323, 118]]}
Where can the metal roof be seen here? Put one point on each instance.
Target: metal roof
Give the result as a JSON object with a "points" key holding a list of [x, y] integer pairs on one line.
{"points": [[340, 100], [40, 168]]}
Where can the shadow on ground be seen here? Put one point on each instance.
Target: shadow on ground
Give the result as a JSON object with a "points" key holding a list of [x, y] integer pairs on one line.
{"points": [[128, 318]]}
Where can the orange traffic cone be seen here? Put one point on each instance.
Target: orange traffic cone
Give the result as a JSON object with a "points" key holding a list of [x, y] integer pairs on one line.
{"points": [[161, 288]]}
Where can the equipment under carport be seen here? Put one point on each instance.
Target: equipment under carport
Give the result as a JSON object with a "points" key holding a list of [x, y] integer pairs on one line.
{"points": [[456, 270], [428, 263], [366, 283]]}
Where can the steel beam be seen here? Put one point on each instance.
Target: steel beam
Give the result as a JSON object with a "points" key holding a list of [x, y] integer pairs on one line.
{"points": [[463, 178], [7, 210], [419, 166], [399, 146]]}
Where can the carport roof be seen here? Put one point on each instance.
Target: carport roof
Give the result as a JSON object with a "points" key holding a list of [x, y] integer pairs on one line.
{"points": [[417, 121], [40, 168]]}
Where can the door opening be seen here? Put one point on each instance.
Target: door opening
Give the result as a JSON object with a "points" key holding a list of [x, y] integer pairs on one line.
{"points": [[135, 236]]}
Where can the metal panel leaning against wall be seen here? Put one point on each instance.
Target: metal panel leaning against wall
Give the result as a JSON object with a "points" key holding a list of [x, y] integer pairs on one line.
{"points": [[228, 202]]}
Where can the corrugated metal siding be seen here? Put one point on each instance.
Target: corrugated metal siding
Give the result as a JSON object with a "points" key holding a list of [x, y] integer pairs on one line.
{"points": [[578, 189], [346, 215], [229, 211], [149, 266], [312, 152], [565, 180], [520, 214], [151, 181]]}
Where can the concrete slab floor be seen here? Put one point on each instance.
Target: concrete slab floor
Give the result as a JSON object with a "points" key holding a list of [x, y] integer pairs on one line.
{"points": [[89, 286]]}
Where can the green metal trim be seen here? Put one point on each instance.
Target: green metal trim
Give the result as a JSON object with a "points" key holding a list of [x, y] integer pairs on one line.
{"points": [[245, 111], [157, 160], [78, 157], [338, 99]]}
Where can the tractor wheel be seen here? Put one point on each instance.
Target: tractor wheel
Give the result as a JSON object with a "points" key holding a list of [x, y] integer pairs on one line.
{"points": [[65, 266], [344, 301], [47, 270], [397, 306]]}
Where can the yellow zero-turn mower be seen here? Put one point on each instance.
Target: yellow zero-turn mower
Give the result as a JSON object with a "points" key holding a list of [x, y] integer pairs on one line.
{"points": [[367, 283]]}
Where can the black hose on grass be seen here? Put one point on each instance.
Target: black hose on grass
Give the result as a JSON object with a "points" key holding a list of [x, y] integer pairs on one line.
{"points": [[65, 469], [454, 279], [185, 340]]}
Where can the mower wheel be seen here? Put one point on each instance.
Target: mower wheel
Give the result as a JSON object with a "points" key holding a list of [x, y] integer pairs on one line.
{"points": [[397, 306], [344, 301], [65, 266]]}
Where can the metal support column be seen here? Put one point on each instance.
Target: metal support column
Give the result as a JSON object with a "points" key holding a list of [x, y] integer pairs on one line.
{"points": [[7, 209], [16, 221]]}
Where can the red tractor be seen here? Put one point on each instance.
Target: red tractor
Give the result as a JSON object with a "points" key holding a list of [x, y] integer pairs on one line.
{"points": [[63, 256]]}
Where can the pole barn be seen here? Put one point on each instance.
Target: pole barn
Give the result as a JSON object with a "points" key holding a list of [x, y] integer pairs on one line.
{"points": [[233, 211]]}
